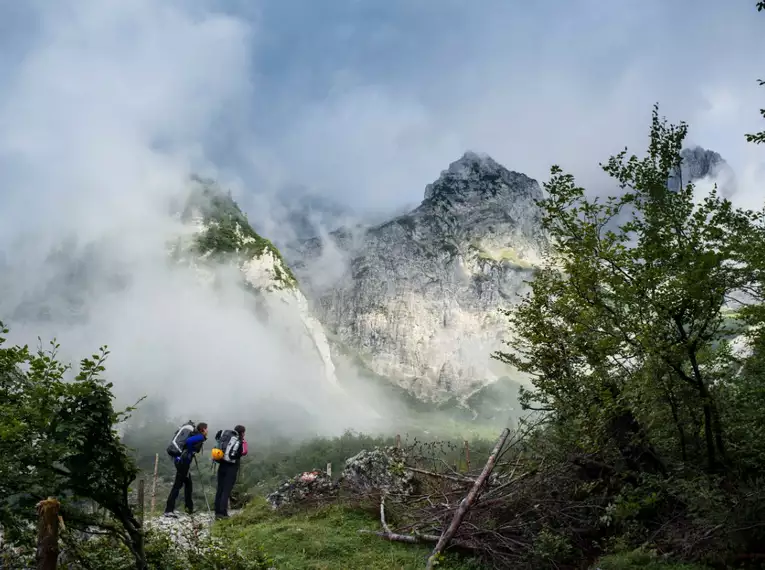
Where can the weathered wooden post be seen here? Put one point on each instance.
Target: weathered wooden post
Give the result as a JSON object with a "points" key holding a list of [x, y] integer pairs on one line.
{"points": [[47, 534], [154, 484], [329, 469], [398, 441], [467, 454], [141, 500]]}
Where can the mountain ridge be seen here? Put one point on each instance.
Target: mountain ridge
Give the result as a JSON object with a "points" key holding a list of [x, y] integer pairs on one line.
{"points": [[420, 300]]}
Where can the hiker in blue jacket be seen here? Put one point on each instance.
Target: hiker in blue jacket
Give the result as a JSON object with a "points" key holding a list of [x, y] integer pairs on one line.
{"points": [[190, 447]]}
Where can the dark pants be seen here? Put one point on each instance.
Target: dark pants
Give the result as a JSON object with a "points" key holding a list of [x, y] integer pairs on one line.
{"points": [[182, 479], [226, 479]]}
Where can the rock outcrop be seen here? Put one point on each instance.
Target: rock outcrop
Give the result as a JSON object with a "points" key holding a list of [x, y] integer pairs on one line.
{"points": [[419, 297], [311, 485], [219, 230], [382, 470], [699, 163]]}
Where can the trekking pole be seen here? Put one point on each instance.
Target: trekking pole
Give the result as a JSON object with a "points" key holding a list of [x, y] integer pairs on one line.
{"points": [[204, 489]]}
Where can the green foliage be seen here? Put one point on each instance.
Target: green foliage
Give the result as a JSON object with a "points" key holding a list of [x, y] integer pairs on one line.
{"points": [[58, 438], [550, 547], [758, 138], [325, 538], [642, 559], [624, 316], [228, 232], [628, 336], [197, 551]]}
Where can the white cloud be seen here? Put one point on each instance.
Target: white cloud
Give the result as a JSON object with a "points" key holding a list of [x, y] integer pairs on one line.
{"points": [[532, 86], [101, 123], [106, 107]]}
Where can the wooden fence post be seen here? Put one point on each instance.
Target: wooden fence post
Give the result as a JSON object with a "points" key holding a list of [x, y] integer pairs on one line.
{"points": [[47, 534], [141, 500], [154, 484], [398, 441], [329, 469], [467, 454]]}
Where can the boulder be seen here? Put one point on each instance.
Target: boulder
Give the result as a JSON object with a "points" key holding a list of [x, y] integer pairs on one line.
{"points": [[379, 470], [308, 485]]}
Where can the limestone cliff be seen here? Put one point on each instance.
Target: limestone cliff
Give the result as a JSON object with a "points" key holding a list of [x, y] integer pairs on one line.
{"points": [[219, 230], [419, 300]]}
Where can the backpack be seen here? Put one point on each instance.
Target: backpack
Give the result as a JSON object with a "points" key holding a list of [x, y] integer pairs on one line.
{"points": [[178, 443], [231, 444]]}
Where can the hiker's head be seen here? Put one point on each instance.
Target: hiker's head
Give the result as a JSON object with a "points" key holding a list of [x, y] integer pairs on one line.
{"points": [[239, 430], [202, 428]]}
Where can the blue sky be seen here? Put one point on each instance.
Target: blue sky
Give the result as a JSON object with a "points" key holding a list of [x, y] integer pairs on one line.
{"points": [[364, 101]]}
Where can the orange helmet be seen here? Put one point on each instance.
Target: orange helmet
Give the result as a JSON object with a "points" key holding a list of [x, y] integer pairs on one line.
{"points": [[217, 454]]}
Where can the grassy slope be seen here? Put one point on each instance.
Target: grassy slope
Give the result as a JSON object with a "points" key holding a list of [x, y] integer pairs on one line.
{"points": [[325, 538]]}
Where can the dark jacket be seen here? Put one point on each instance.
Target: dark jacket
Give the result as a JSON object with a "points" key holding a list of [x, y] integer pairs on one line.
{"points": [[242, 448], [193, 445]]}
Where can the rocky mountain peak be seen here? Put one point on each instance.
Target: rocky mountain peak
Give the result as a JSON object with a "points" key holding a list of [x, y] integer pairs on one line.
{"points": [[698, 163], [418, 299], [476, 176]]}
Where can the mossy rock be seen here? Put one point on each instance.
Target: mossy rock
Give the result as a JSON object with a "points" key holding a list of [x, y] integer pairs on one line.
{"points": [[228, 232]]}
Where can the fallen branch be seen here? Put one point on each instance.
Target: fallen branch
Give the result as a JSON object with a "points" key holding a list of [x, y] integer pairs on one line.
{"points": [[382, 515], [457, 478], [467, 502], [395, 537], [414, 538]]}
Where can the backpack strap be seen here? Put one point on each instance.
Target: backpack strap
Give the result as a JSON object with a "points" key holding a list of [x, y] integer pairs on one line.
{"points": [[178, 433]]}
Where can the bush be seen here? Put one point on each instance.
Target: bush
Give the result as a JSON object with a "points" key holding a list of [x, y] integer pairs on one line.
{"points": [[643, 560], [195, 551]]}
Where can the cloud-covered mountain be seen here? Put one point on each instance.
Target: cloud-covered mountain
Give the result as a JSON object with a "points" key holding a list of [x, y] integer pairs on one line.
{"points": [[419, 298]]}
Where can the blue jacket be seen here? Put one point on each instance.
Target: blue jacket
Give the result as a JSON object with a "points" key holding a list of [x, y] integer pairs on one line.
{"points": [[192, 447]]}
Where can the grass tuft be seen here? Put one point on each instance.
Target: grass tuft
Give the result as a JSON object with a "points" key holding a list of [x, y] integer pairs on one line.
{"points": [[325, 538]]}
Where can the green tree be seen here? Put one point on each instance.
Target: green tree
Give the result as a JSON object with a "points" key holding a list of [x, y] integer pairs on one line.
{"points": [[58, 438], [758, 138], [625, 322]]}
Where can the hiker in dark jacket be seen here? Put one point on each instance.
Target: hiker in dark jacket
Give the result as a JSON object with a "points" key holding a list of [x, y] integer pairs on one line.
{"points": [[192, 446], [227, 471]]}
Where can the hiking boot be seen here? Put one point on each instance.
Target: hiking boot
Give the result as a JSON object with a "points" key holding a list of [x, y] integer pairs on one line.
{"points": [[170, 515], [219, 517]]}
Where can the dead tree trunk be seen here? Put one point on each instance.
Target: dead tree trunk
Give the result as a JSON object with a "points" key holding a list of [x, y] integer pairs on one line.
{"points": [[47, 534], [467, 502]]}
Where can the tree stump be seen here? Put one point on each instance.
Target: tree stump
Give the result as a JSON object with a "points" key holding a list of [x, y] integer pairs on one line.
{"points": [[47, 534]]}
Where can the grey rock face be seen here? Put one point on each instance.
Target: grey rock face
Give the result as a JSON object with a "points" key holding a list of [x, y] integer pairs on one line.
{"points": [[184, 528], [699, 163], [305, 486], [379, 470], [418, 298]]}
